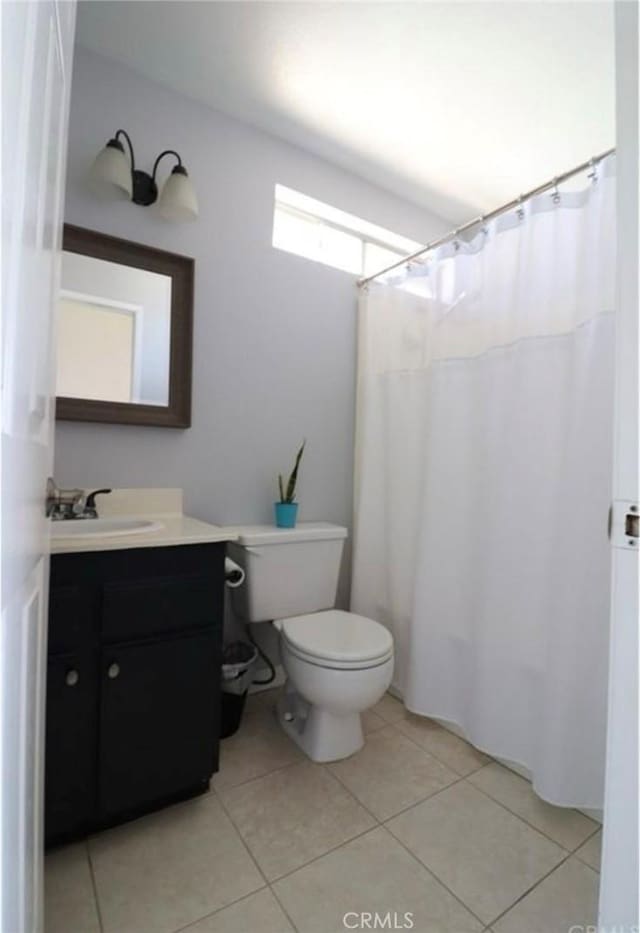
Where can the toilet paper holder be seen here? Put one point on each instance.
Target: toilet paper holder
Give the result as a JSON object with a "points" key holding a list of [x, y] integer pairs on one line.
{"points": [[233, 573]]}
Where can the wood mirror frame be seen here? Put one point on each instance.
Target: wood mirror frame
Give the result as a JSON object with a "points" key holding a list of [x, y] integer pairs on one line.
{"points": [[177, 414]]}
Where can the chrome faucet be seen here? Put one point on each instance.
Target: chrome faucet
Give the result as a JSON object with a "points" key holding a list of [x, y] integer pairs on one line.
{"points": [[65, 504]]}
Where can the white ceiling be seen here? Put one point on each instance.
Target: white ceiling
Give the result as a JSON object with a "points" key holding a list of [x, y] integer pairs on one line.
{"points": [[458, 106]]}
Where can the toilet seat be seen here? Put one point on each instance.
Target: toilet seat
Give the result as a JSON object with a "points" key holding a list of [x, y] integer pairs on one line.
{"points": [[337, 640]]}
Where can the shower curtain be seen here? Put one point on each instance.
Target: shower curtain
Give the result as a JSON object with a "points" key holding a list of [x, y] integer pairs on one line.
{"points": [[483, 474]]}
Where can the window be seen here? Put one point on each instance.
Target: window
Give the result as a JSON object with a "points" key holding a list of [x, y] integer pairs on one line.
{"points": [[309, 228]]}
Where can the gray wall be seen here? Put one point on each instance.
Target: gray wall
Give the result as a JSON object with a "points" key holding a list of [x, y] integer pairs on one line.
{"points": [[275, 334]]}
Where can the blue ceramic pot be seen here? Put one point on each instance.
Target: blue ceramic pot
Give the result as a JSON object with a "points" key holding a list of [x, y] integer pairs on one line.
{"points": [[286, 514]]}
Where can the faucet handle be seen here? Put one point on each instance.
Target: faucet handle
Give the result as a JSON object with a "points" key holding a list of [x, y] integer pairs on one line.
{"points": [[91, 498]]}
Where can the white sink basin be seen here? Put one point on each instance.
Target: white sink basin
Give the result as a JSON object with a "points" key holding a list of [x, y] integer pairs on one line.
{"points": [[101, 528]]}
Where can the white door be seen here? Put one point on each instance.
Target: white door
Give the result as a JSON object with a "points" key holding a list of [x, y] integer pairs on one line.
{"points": [[619, 876], [37, 42]]}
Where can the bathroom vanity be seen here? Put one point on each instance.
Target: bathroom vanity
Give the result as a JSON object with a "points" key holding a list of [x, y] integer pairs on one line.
{"points": [[133, 673]]}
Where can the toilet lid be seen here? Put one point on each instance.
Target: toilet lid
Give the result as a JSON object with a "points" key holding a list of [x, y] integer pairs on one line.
{"points": [[338, 636]]}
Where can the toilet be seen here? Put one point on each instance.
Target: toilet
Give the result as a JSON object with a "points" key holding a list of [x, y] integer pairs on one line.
{"points": [[338, 664]]}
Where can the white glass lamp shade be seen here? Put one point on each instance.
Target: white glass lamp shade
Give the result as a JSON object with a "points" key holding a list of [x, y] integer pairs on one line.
{"points": [[178, 199], [111, 173]]}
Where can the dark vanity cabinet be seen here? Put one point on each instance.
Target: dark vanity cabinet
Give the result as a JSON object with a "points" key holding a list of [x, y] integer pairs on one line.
{"points": [[133, 679]]}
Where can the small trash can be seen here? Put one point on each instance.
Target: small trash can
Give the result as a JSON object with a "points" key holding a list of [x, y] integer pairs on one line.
{"points": [[238, 659]]}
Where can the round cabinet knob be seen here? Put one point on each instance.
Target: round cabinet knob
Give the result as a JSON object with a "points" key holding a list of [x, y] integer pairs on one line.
{"points": [[71, 678], [113, 671]]}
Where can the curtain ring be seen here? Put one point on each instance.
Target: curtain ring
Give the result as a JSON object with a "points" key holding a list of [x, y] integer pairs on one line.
{"points": [[456, 244], [555, 197], [593, 174], [520, 208]]}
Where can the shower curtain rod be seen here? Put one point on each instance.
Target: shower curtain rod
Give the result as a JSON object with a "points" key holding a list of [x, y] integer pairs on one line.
{"points": [[483, 218]]}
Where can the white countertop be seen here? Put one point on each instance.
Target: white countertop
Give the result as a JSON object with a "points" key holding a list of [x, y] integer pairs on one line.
{"points": [[175, 528]]}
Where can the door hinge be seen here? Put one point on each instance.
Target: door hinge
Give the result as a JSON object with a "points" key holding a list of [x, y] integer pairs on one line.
{"points": [[624, 525]]}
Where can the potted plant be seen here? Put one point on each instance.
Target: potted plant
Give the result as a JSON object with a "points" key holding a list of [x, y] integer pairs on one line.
{"points": [[287, 508]]}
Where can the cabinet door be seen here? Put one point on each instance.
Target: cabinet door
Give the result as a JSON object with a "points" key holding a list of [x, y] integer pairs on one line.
{"points": [[159, 720], [71, 744]]}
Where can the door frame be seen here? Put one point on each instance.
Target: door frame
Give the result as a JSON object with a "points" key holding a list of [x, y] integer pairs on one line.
{"points": [[619, 908]]}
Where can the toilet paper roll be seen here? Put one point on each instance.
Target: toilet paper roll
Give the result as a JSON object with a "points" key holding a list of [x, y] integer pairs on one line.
{"points": [[233, 573]]}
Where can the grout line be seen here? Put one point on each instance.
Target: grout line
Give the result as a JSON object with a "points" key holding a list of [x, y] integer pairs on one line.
{"points": [[440, 790], [381, 822], [241, 837], [270, 883], [433, 875], [94, 884], [537, 828], [567, 855], [586, 840], [524, 820], [325, 767], [283, 908], [580, 858], [316, 858], [495, 799], [258, 777], [437, 757], [378, 825], [218, 909], [533, 886]]}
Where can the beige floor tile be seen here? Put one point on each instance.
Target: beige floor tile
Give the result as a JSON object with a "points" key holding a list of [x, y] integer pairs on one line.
{"points": [[389, 709], [371, 722], [170, 868], [258, 913], [453, 751], [69, 902], [590, 851], [391, 773], [372, 874], [258, 747], [566, 900], [294, 815], [565, 826], [487, 856]]}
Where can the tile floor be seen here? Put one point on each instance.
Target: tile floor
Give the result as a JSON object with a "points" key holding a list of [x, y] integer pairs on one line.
{"points": [[418, 822]]}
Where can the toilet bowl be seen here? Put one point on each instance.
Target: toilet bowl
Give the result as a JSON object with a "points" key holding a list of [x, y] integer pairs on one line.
{"points": [[338, 664]]}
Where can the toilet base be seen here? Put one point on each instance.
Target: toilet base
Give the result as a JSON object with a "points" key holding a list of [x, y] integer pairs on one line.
{"points": [[323, 736]]}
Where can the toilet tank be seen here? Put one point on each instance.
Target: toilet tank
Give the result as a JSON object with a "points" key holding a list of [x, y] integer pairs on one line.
{"points": [[289, 571]]}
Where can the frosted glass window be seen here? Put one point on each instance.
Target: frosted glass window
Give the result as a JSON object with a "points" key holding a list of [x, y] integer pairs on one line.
{"points": [[317, 231], [377, 257]]}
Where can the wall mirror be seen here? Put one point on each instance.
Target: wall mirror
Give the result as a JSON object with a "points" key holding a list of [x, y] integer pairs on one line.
{"points": [[125, 314]]}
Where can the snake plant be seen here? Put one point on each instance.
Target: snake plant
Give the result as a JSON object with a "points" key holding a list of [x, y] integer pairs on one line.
{"points": [[289, 494]]}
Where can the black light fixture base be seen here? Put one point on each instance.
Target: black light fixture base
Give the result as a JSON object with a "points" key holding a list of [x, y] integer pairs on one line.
{"points": [[145, 190]]}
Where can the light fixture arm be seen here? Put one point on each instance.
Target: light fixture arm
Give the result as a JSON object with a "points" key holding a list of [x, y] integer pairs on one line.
{"points": [[130, 145], [161, 156]]}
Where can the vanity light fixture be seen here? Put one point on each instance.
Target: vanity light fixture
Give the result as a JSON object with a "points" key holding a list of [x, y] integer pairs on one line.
{"points": [[115, 176]]}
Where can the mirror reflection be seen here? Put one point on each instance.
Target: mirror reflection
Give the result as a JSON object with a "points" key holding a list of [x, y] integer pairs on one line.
{"points": [[114, 332]]}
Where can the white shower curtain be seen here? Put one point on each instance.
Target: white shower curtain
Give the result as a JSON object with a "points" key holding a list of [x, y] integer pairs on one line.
{"points": [[483, 473]]}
